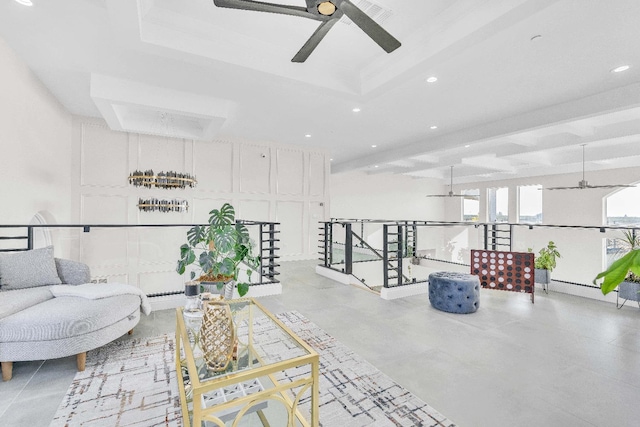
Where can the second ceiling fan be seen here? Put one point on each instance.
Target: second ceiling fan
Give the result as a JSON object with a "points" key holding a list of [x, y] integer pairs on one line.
{"points": [[583, 184], [451, 194], [328, 13]]}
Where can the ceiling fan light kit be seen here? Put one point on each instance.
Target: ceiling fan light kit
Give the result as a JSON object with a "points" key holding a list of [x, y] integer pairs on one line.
{"points": [[328, 12]]}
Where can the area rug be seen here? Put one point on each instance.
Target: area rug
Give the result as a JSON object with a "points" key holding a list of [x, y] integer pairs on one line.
{"points": [[133, 383]]}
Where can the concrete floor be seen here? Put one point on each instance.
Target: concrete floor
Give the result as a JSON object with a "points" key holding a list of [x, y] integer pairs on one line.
{"points": [[565, 361]]}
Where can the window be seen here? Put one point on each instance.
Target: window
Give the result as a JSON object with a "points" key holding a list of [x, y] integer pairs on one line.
{"points": [[623, 208], [530, 204], [498, 204], [471, 205]]}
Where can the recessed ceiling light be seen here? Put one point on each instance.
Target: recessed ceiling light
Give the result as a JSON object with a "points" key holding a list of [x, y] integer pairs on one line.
{"points": [[620, 69], [433, 127], [375, 166], [307, 135], [373, 146], [432, 79], [331, 160], [25, 2], [356, 110], [467, 146]]}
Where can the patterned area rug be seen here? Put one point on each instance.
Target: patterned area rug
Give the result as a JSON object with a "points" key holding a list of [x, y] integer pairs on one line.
{"points": [[133, 383]]}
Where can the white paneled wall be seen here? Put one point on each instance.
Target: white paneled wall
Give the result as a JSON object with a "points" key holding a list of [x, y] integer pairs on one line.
{"points": [[264, 182]]}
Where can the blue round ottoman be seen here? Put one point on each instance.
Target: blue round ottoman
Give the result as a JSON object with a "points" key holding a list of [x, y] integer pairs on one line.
{"points": [[454, 292]]}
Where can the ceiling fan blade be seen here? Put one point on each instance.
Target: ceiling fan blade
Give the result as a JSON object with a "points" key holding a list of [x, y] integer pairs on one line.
{"points": [[259, 6], [564, 188], [610, 186], [368, 25], [453, 195], [583, 187], [313, 41]]}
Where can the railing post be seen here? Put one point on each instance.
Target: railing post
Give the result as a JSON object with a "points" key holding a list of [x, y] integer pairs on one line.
{"points": [[385, 255], [510, 237], [401, 252], [261, 252], [29, 238], [329, 238], [486, 237], [348, 249], [326, 244]]}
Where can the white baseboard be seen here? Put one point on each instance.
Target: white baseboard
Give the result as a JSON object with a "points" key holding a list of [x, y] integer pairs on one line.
{"points": [[166, 302], [345, 279], [262, 290], [404, 291]]}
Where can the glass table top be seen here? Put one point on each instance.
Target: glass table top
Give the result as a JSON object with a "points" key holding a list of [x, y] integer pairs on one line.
{"points": [[261, 340]]}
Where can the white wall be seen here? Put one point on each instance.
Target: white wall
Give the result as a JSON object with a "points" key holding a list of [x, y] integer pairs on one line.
{"points": [[384, 196], [263, 181], [35, 146], [75, 170]]}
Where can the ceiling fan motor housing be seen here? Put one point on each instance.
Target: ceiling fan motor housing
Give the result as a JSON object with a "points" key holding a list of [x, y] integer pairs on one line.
{"points": [[326, 8]]}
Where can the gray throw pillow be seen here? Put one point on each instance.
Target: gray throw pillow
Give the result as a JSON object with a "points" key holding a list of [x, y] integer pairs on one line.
{"points": [[28, 269]]}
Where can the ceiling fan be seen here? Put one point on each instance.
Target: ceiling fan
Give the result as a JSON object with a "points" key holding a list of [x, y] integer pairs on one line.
{"points": [[327, 12], [450, 194], [583, 184]]}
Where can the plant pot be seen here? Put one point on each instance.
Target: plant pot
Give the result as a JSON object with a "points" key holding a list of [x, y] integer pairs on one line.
{"points": [[542, 276], [220, 288], [629, 291]]}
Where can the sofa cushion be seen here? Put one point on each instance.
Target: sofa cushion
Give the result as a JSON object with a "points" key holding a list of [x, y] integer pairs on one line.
{"points": [[17, 300], [28, 269], [72, 272], [65, 317]]}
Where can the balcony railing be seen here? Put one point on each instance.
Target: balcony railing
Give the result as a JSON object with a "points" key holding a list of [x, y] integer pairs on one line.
{"points": [[346, 243], [153, 260]]}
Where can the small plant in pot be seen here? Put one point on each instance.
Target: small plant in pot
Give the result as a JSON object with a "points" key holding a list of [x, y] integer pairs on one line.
{"points": [[545, 263], [218, 250], [624, 273]]}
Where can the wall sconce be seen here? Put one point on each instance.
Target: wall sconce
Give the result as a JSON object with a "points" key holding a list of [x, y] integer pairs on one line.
{"points": [[157, 205], [162, 179]]}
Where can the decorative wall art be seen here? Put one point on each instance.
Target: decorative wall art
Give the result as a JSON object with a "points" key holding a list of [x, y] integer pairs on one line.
{"points": [[162, 205], [168, 179]]}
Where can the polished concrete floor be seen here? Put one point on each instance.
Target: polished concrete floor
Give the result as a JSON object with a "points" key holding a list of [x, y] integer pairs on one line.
{"points": [[565, 361]]}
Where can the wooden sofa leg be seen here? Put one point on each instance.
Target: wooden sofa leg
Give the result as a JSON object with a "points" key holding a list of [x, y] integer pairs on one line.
{"points": [[130, 332], [81, 359], [7, 371]]}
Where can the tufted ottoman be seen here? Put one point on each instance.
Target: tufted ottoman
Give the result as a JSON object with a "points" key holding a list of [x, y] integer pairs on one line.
{"points": [[454, 292]]}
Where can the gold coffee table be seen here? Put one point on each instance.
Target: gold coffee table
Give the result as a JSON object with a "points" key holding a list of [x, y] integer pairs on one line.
{"points": [[273, 380]]}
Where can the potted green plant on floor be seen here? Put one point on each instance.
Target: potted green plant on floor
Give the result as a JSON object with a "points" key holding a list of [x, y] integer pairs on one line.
{"points": [[218, 250], [624, 273], [545, 263]]}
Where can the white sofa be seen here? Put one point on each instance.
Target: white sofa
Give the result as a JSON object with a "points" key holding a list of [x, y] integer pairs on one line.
{"points": [[35, 325]]}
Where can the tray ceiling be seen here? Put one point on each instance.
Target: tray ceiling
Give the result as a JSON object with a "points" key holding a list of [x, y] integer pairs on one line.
{"points": [[521, 84]]}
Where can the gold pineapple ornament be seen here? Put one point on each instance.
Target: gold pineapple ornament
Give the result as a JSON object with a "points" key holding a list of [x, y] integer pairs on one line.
{"points": [[217, 335]]}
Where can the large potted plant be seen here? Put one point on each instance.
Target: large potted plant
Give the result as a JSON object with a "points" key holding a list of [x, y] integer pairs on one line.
{"points": [[218, 250], [624, 273], [545, 263]]}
